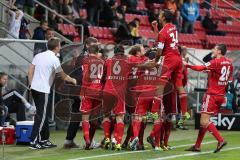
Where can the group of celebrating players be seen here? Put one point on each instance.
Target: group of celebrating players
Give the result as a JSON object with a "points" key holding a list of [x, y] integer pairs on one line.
{"points": [[147, 89]]}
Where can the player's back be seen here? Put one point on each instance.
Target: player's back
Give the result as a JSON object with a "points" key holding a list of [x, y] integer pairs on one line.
{"points": [[117, 69], [92, 71], [168, 36], [221, 70]]}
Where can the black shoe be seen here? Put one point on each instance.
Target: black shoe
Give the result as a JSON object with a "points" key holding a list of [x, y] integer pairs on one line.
{"points": [[220, 146], [193, 149], [88, 146], [124, 146], [36, 146], [151, 141], [70, 145], [48, 144], [140, 147]]}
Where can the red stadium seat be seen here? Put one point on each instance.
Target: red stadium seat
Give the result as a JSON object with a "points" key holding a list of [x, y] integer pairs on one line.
{"points": [[190, 40]]}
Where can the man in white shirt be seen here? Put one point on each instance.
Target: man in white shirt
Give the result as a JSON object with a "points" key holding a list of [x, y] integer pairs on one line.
{"points": [[41, 75]]}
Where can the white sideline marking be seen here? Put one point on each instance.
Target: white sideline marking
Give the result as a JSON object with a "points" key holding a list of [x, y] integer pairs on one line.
{"points": [[131, 152], [194, 154]]}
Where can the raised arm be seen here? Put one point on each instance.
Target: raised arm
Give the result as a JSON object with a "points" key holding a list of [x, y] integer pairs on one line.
{"points": [[197, 68]]}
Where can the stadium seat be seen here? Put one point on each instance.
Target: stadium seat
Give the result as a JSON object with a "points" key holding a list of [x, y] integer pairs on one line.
{"points": [[190, 40], [104, 34], [83, 13], [231, 42]]}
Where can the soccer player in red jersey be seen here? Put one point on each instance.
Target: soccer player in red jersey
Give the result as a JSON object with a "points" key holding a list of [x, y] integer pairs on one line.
{"points": [[116, 69], [167, 47], [136, 107], [220, 73], [91, 87]]}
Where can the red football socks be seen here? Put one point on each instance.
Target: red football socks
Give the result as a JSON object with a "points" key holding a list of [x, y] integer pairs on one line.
{"points": [[213, 130], [201, 134], [167, 132], [118, 132], [85, 127], [183, 102], [106, 128]]}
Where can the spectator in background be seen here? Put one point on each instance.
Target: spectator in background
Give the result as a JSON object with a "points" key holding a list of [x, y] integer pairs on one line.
{"points": [[24, 29], [108, 14], [68, 9], [134, 28], [190, 13], [52, 20], [14, 22], [20, 4], [94, 8], [13, 100], [124, 33], [3, 108], [171, 5], [39, 32], [41, 47], [207, 4], [131, 6], [178, 21], [153, 15], [29, 7], [211, 26]]}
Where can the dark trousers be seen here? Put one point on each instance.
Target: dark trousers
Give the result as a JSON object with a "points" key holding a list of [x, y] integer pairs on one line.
{"points": [[40, 130], [188, 27], [15, 104], [74, 123]]}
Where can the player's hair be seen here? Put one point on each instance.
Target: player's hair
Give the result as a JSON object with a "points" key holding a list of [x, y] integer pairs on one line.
{"points": [[93, 49], [53, 43], [168, 15], [119, 50], [134, 50], [222, 48], [2, 74], [90, 40]]}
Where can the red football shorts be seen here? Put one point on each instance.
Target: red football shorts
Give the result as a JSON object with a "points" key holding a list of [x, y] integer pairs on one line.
{"points": [[143, 105], [172, 67], [157, 106], [88, 104], [212, 103]]}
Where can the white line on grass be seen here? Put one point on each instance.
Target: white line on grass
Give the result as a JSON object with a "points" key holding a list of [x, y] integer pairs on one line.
{"points": [[193, 154], [132, 152]]}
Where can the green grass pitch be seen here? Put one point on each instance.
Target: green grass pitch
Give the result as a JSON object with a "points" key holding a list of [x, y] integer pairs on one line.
{"points": [[180, 139]]}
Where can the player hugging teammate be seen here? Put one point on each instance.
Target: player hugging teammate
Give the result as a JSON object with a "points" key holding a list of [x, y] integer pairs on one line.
{"points": [[145, 89]]}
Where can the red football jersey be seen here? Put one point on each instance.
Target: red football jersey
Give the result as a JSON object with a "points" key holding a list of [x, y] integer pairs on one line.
{"points": [[221, 70], [117, 70], [92, 71], [168, 39]]}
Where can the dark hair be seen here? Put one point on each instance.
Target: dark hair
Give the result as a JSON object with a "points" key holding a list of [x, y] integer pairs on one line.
{"points": [[119, 50], [90, 40], [168, 15], [53, 43], [222, 48], [42, 22], [3, 74], [134, 50], [94, 49], [137, 19], [50, 29]]}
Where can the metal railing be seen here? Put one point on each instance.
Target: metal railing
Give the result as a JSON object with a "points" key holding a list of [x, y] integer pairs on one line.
{"points": [[30, 18], [223, 10], [47, 9]]}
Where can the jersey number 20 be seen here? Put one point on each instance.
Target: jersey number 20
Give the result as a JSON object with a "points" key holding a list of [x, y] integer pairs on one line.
{"points": [[96, 71]]}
